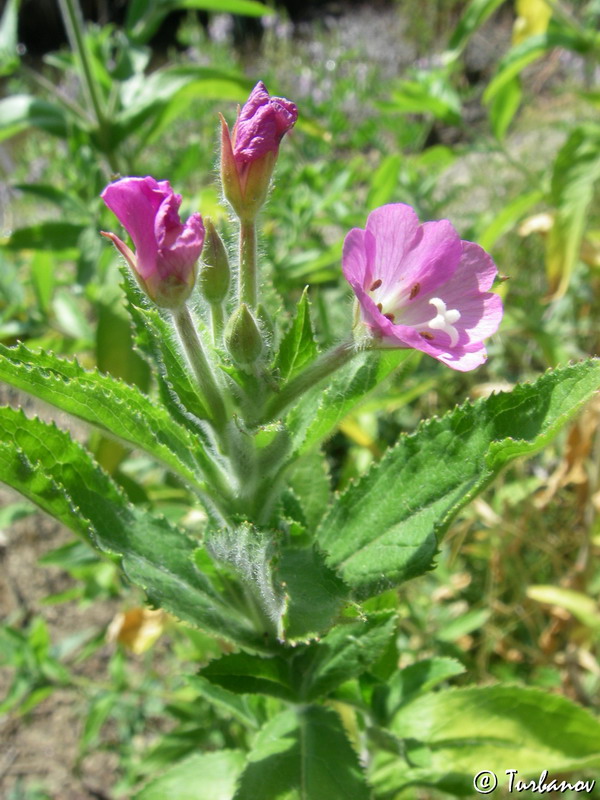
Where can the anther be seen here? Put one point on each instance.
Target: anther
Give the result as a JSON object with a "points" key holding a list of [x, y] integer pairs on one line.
{"points": [[427, 336], [390, 317], [376, 284], [379, 307], [414, 291]]}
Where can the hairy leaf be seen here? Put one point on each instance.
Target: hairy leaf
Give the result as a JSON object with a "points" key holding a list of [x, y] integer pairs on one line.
{"points": [[210, 776], [303, 754], [50, 469], [384, 529], [298, 347]]}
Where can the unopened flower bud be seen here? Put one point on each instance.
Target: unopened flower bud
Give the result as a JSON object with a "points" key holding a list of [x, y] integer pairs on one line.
{"points": [[215, 272], [243, 337], [249, 153]]}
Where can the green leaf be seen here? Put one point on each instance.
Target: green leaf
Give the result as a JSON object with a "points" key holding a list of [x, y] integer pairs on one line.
{"points": [[508, 217], [21, 111], [475, 14], [234, 705], [57, 236], [384, 182], [344, 653], [314, 593], [309, 480], [109, 404], [576, 171], [210, 776], [50, 469], [302, 754], [503, 107], [320, 413], [411, 682], [431, 94], [384, 529], [523, 54], [298, 347], [156, 340], [9, 58], [243, 673], [582, 607], [495, 728]]}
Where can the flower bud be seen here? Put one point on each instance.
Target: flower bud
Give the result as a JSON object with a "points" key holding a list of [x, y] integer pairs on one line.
{"points": [[248, 155], [166, 250], [243, 337], [215, 272]]}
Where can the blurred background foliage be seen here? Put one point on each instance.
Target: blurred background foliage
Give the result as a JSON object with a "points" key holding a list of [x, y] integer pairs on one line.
{"points": [[483, 112]]}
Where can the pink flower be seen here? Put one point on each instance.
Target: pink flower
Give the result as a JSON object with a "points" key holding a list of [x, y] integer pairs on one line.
{"points": [[248, 154], [261, 125], [166, 251], [420, 286]]}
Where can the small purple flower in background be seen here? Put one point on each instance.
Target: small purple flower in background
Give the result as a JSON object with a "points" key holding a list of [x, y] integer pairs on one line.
{"points": [[420, 286], [166, 250], [248, 154]]}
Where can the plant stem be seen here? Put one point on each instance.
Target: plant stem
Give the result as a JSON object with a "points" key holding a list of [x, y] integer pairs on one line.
{"points": [[73, 21], [248, 276], [321, 368], [216, 321], [208, 389]]}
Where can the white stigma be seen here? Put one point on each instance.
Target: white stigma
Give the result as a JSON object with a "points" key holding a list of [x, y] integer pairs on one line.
{"points": [[445, 319]]}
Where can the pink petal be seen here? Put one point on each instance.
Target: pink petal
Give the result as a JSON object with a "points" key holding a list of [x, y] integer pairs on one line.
{"points": [[393, 228]]}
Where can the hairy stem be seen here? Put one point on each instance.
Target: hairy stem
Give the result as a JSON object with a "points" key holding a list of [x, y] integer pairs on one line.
{"points": [[209, 391], [321, 368], [248, 272]]}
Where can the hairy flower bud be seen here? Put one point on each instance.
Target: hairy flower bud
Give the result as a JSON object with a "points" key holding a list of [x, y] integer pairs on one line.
{"points": [[166, 250], [243, 337], [249, 153], [215, 273]]}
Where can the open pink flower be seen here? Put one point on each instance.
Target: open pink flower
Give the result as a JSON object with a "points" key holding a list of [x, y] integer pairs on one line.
{"points": [[249, 153], [420, 286], [166, 250]]}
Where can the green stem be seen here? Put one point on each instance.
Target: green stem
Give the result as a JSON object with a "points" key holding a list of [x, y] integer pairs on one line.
{"points": [[208, 389], [216, 322], [321, 368], [73, 21], [248, 274]]}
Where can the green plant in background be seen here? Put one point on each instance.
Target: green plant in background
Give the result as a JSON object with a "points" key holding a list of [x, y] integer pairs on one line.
{"points": [[295, 579], [262, 572]]}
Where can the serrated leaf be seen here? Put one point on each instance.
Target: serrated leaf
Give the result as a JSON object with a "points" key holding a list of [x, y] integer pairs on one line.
{"points": [[344, 653], [107, 403], [321, 412], [210, 776], [157, 342], [238, 707], [411, 682], [298, 347], [58, 474], [302, 754], [384, 529], [243, 673], [309, 480], [314, 593], [496, 728]]}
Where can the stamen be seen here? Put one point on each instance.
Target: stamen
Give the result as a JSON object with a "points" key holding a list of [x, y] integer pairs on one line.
{"points": [[379, 307], [445, 319], [414, 291], [391, 317], [376, 284], [427, 336]]}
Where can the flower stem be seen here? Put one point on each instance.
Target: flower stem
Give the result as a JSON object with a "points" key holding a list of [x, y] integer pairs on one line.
{"points": [[216, 322], [207, 385], [321, 368], [248, 276]]}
